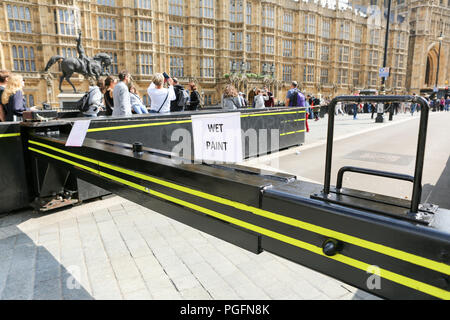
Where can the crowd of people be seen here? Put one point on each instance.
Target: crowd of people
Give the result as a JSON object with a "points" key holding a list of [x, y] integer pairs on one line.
{"points": [[120, 98]]}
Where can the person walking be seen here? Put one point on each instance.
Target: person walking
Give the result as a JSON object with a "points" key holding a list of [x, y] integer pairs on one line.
{"points": [[230, 98], [108, 97], [338, 109], [447, 104], [4, 75], [13, 100], [161, 97], [195, 98], [121, 96], [95, 102], [136, 102]]}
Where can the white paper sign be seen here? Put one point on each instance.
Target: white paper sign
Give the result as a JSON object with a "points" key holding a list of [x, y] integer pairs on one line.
{"points": [[217, 137], [78, 133]]}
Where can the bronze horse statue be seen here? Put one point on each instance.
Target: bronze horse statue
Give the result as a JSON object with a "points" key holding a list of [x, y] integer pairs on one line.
{"points": [[69, 66]]}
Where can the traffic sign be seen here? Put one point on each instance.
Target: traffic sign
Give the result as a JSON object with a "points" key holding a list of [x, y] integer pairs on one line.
{"points": [[384, 72]]}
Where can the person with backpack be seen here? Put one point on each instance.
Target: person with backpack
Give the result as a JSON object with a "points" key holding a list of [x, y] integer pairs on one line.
{"points": [[194, 99], [136, 102], [230, 98], [94, 102], [294, 97], [182, 97], [161, 97]]}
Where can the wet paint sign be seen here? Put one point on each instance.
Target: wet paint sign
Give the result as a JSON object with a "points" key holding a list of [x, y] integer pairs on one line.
{"points": [[217, 137]]}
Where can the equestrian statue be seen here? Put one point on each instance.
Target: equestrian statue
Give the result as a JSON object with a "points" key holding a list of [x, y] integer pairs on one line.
{"points": [[88, 67]]}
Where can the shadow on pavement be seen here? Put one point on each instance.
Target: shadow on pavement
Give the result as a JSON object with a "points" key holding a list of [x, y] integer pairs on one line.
{"points": [[30, 272], [439, 193]]}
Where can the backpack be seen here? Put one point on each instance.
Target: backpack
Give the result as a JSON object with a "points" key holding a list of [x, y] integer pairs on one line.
{"points": [[183, 99], [83, 103], [295, 98]]}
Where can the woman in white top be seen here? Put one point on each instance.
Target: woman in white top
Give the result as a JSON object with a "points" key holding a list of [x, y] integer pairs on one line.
{"points": [[259, 99], [159, 96], [95, 99]]}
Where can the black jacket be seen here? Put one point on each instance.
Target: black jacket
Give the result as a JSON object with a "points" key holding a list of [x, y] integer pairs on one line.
{"points": [[195, 101], [16, 106], [174, 104]]}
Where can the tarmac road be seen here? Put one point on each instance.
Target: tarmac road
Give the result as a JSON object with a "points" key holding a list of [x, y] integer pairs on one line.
{"points": [[392, 148]]}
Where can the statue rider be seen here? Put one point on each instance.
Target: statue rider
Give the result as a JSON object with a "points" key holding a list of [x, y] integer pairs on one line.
{"points": [[82, 56]]}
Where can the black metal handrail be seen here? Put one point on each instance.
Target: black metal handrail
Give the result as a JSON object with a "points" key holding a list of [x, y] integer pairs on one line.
{"points": [[423, 127], [370, 172]]}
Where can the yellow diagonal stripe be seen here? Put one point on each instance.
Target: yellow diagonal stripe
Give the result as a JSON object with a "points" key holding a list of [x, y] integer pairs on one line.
{"points": [[156, 124], [9, 135], [414, 284]]}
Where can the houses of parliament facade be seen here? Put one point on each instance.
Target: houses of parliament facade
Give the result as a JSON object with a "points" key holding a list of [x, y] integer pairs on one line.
{"points": [[328, 47]]}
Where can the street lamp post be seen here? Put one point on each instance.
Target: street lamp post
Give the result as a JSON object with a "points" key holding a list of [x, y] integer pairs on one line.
{"points": [[380, 111], [440, 38]]}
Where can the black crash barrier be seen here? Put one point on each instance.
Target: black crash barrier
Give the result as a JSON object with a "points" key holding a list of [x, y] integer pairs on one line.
{"points": [[267, 212], [159, 130], [14, 193], [152, 130]]}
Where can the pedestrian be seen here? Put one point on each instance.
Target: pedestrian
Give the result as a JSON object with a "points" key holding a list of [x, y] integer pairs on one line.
{"points": [[310, 104], [447, 104], [121, 96], [260, 99], [161, 97], [108, 97], [195, 98], [4, 75], [355, 111], [181, 101], [13, 100], [136, 102], [413, 106], [244, 101], [316, 109], [230, 98], [338, 109], [95, 102], [295, 99], [269, 103], [442, 104]]}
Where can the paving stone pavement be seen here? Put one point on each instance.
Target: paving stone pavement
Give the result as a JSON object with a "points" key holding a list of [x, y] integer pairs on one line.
{"points": [[115, 249]]}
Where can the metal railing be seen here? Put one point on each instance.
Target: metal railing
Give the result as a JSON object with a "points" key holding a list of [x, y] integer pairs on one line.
{"points": [[420, 155]]}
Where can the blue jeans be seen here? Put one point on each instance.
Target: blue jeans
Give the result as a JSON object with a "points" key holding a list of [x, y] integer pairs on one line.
{"points": [[139, 109], [355, 111]]}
